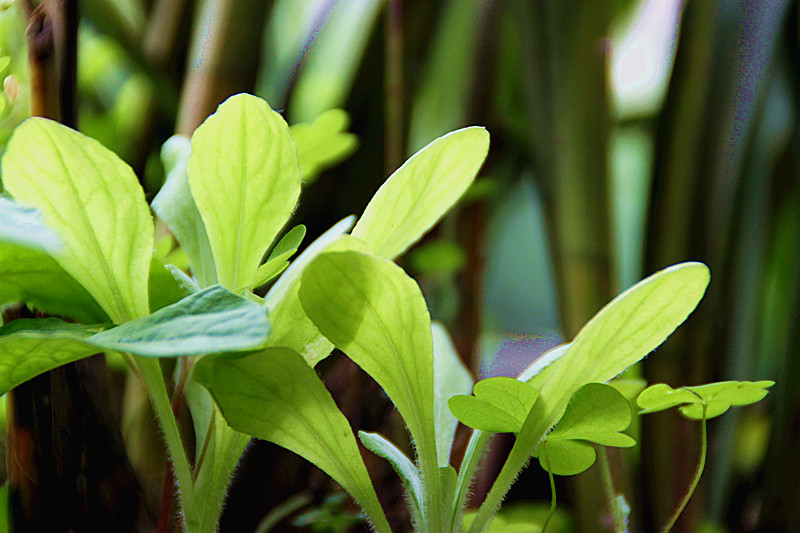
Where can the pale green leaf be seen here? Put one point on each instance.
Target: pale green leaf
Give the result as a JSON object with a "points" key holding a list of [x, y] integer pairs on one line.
{"points": [[208, 321], [402, 465], [291, 328], [717, 397], [450, 377], [375, 313], [94, 203], [278, 259], [596, 413], [220, 450], [274, 395], [290, 242], [165, 288], [175, 205], [421, 191], [323, 142], [619, 335], [24, 226], [245, 179], [30, 347], [500, 405], [33, 277], [661, 396], [567, 457]]}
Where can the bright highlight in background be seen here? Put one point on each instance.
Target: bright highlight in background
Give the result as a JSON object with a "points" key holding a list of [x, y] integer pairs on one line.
{"points": [[643, 49]]}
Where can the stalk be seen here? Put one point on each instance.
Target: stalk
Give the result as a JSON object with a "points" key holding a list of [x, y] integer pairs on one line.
{"points": [[150, 370]]}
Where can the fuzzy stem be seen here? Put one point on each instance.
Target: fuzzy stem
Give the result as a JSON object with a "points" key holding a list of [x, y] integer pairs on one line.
{"points": [[154, 381]]}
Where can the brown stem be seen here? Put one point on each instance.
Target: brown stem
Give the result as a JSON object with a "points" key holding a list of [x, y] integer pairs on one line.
{"points": [[394, 95]]}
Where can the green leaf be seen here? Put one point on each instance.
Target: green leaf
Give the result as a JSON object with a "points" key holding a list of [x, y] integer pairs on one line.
{"points": [[220, 450], [717, 397], [500, 405], [567, 457], [450, 377], [174, 204], [245, 179], [421, 191], [619, 335], [596, 413], [439, 257], [372, 311], [165, 288], [23, 226], [323, 143], [291, 327], [93, 201], [402, 465], [278, 259], [274, 395], [30, 347], [208, 321], [33, 277], [289, 242]]}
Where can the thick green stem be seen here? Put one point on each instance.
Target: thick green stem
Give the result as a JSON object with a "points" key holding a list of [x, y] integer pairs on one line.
{"points": [[472, 458], [150, 370], [699, 472], [515, 462]]}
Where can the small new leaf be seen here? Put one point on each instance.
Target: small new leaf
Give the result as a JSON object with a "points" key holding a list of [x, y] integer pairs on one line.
{"points": [[597, 413], [499, 405], [717, 397]]}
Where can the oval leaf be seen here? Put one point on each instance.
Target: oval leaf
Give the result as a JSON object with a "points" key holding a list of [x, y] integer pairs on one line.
{"points": [[568, 457], [421, 191], [375, 313], [274, 395], [209, 321], [245, 179], [93, 201]]}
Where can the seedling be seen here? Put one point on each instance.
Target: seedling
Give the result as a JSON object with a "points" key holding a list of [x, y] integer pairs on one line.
{"points": [[700, 402]]}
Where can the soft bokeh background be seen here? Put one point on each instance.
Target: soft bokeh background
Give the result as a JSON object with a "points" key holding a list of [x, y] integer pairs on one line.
{"points": [[627, 135]]}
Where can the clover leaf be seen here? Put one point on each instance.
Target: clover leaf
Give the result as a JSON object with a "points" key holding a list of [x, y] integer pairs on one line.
{"points": [[597, 413], [499, 405], [717, 397]]}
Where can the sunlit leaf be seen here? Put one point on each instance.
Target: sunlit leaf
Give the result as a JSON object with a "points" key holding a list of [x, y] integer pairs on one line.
{"points": [[175, 205], [274, 395], [291, 328], [30, 347], [717, 397], [450, 377], [93, 202], [33, 277], [500, 405], [371, 310], [421, 191], [245, 179]]}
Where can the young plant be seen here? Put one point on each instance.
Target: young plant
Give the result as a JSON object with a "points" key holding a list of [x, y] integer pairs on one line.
{"points": [[700, 402], [371, 310], [77, 241]]}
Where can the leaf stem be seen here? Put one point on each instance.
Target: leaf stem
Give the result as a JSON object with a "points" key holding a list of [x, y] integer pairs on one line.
{"points": [[553, 501], [150, 370], [701, 465]]}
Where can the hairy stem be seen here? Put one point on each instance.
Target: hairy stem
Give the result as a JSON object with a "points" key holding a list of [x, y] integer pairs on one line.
{"points": [[611, 496], [150, 370]]}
